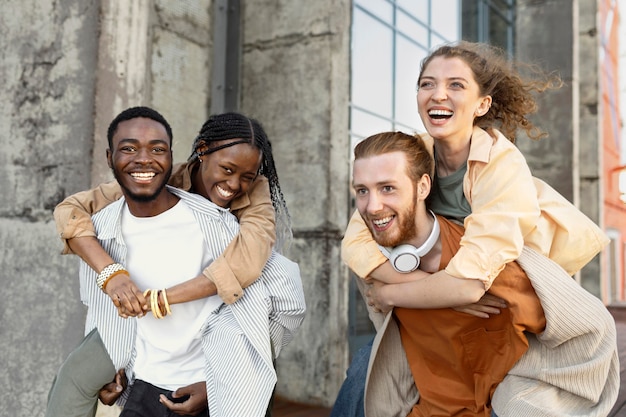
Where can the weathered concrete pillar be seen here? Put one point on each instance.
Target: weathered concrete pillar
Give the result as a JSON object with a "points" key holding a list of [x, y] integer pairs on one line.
{"points": [[153, 53], [590, 148], [123, 71], [299, 66], [47, 66]]}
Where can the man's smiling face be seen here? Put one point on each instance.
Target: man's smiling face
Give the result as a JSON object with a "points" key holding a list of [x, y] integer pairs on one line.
{"points": [[386, 197], [141, 158]]}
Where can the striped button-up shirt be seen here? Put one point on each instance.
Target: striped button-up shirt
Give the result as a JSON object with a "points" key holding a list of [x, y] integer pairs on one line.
{"points": [[239, 371]]}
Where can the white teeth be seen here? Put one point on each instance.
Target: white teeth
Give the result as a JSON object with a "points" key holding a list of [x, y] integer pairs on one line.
{"points": [[440, 113], [224, 193], [142, 175], [382, 222]]}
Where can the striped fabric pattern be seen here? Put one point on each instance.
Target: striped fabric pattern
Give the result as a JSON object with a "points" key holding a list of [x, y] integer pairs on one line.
{"points": [[240, 340], [118, 334]]}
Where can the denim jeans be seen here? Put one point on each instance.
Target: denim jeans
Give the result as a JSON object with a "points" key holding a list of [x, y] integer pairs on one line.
{"points": [[349, 402], [143, 401]]}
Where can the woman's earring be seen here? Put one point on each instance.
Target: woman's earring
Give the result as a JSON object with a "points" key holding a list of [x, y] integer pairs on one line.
{"points": [[200, 159]]}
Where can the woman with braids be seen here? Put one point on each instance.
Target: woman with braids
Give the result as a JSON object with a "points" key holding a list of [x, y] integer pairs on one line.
{"points": [[214, 171], [472, 101]]}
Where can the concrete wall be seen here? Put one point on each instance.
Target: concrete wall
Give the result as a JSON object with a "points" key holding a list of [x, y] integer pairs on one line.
{"points": [[295, 80], [552, 158], [47, 67]]}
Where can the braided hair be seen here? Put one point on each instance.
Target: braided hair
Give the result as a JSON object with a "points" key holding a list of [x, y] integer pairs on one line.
{"points": [[225, 126]]}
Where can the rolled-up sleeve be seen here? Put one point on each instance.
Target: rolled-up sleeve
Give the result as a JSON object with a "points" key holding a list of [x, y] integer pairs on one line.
{"points": [[73, 215], [246, 255]]}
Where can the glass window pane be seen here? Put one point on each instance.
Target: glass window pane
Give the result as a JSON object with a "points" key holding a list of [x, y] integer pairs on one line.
{"points": [[379, 8], [436, 41], [411, 28], [417, 8], [408, 60], [364, 124], [470, 20], [372, 80], [498, 30], [502, 5], [411, 130], [445, 16]]}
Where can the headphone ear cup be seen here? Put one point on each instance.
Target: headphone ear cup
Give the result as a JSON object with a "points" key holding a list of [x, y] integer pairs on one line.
{"points": [[404, 258]]}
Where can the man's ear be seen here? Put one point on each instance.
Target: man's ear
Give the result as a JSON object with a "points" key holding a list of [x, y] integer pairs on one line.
{"points": [[424, 185], [109, 158]]}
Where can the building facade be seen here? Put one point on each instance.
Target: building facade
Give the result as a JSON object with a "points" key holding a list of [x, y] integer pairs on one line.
{"points": [[612, 61], [319, 76]]}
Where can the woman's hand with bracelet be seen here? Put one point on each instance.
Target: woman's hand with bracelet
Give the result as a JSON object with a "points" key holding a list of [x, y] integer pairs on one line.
{"points": [[126, 296]]}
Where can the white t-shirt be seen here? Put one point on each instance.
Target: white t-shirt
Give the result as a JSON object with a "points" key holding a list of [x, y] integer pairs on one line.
{"points": [[163, 251]]}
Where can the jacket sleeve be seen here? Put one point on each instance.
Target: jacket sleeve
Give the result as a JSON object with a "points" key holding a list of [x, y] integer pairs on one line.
{"points": [[73, 215], [244, 258], [288, 306], [572, 368], [359, 250], [505, 209]]}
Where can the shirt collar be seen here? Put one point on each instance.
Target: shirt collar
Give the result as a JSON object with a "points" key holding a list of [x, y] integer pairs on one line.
{"points": [[481, 144]]}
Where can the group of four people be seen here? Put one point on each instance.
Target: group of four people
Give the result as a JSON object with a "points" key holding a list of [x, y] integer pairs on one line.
{"points": [[486, 320]]}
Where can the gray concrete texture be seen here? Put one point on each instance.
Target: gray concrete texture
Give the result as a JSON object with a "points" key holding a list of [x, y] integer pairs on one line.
{"points": [[47, 68]]}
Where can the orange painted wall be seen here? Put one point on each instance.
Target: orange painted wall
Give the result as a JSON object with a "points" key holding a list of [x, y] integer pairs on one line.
{"points": [[614, 208]]}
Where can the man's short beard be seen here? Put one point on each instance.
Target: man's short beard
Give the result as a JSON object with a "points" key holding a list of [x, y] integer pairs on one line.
{"points": [[406, 227], [129, 195]]}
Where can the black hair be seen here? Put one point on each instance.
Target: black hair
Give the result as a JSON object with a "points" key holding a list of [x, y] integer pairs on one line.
{"points": [[225, 126], [133, 113]]}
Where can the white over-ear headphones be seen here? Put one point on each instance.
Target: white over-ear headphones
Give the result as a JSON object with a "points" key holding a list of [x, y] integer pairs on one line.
{"points": [[406, 258]]}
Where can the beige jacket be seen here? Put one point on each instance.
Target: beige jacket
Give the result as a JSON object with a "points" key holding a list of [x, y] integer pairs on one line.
{"points": [[571, 369]]}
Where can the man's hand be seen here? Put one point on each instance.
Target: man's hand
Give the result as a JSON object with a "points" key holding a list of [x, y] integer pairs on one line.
{"points": [[125, 295], [488, 304], [111, 392], [375, 296], [193, 399]]}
